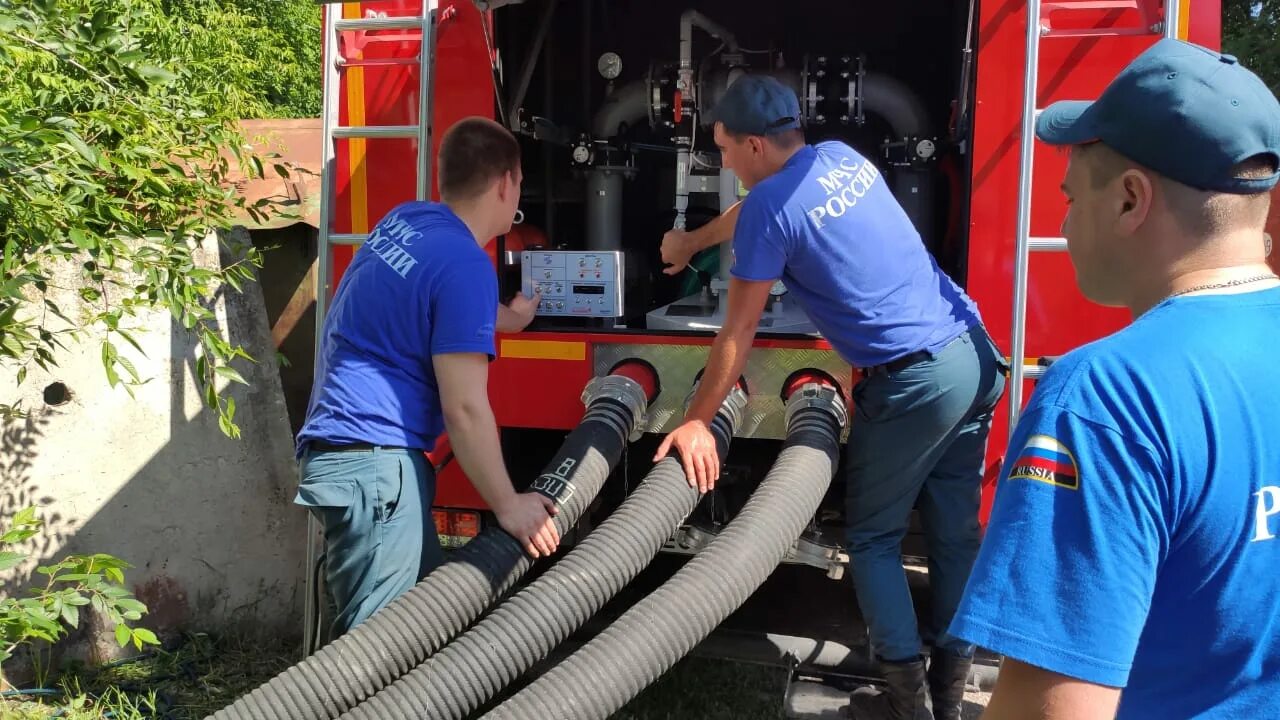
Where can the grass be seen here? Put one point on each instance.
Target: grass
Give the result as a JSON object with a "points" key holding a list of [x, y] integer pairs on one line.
{"points": [[197, 677], [203, 674]]}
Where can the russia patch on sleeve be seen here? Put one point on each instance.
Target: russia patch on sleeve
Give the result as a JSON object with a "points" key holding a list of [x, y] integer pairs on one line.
{"points": [[1046, 460]]}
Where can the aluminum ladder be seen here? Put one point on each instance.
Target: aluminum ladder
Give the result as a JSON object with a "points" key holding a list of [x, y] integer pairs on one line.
{"points": [[332, 131], [1039, 25]]}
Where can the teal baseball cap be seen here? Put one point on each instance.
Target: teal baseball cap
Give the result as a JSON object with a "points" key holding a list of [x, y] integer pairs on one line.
{"points": [[1186, 112], [757, 105]]}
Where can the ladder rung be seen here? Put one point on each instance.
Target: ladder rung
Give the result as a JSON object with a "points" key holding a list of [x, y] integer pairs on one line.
{"points": [[342, 62], [1149, 18], [1034, 372], [376, 131], [382, 23], [347, 238], [1047, 244]]}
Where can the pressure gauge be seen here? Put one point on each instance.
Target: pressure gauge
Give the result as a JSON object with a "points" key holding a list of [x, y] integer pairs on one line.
{"points": [[609, 65], [581, 154], [925, 149]]}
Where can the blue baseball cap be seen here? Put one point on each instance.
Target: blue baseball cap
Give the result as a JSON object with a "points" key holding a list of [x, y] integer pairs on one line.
{"points": [[1186, 112], [757, 105]]}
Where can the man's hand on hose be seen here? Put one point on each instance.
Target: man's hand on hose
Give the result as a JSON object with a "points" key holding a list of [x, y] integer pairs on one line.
{"points": [[678, 249], [697, 448], [527, 517]]}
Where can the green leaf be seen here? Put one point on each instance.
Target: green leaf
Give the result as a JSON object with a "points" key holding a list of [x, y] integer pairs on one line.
{"points": [[10, 559], [109, 363], [89, 154], [115, 574], [146, 636], [122, 634], [131, 605], [71, 615], [231, 374]]}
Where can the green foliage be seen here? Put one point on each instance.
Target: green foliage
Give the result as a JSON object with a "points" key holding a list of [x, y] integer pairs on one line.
{"points": [[1250, 29], [117, 138], [76, 582], [255, 58]]}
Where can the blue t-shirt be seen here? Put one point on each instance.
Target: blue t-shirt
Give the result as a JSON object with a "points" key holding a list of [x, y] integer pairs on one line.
{"points": [[1135, 538], [828, 226], [419, 286]]}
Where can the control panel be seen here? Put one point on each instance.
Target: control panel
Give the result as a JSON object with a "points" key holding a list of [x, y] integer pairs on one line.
{"points": [[574, 283]]}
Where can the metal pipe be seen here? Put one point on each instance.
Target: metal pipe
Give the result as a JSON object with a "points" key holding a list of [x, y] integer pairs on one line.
{"points": [[548, 160], [530, 62], [327, 168], [426, 91], [892, 100], [586, 60], [728, 196], [626, 104], [1023, 237], [684, 143], [604, 208], [1172, 18]]}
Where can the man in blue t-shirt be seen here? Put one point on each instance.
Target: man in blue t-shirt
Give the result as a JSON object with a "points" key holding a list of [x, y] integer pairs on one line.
{"points": [[1132, 564], [404, 356], [823, 220]]}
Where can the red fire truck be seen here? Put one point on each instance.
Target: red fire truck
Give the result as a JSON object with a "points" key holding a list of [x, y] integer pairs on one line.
{"points": [[606, 98]]}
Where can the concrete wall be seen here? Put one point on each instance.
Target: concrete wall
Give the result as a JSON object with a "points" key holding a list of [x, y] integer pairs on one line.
{"points": [[206, 521]]}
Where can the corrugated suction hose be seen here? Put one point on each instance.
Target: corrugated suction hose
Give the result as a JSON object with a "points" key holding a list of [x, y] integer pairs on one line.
{"points": [[409, 629], [659, 630], [524, 629]]}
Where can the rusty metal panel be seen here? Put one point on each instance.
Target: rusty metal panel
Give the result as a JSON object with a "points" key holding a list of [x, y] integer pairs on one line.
{"points": [[767, 369]]}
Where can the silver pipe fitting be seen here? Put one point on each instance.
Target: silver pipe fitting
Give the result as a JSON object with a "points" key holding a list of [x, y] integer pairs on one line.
{"points": [[822, 396], [623, 390]]}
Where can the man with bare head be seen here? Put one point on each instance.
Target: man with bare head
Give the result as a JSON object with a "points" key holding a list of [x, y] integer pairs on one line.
{"points": [[404, 357], [1132, 562]]}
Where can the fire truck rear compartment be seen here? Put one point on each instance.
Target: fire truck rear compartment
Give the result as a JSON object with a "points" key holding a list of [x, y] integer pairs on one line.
{"points": [[598, 95], [867, 73]]}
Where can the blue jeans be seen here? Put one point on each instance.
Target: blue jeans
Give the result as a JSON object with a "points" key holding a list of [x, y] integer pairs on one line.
{"points": [[918, 436], [374, 506]]}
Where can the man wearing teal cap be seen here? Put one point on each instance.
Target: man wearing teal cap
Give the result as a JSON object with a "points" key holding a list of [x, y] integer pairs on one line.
{"points": [[1131, 567]]}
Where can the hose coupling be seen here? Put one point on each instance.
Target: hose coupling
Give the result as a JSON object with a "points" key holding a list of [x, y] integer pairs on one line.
{"points": [[816, 392], [627, 392]]}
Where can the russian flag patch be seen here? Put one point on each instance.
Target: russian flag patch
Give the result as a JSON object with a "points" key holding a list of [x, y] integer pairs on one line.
{"points": [[1046, 460]]}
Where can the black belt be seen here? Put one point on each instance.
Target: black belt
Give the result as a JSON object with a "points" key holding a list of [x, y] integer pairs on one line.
{"points": [[901, 363], [322, 446]]}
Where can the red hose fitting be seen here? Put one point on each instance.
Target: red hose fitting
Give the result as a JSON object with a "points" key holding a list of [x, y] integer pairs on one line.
{"points": [[800, 378], [640, 372]]}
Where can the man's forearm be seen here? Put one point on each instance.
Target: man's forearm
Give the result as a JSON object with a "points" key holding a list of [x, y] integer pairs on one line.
{"points": [[724, 367], [473, 432], [718, 230], [509, 321]]}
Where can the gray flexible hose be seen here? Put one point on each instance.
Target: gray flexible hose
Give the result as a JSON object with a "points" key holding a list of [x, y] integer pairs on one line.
{"points": [[527, 627], [659, 630], [401, 635]]}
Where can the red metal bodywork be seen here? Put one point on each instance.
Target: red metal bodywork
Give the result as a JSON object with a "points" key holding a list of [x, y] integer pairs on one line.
{"points": [[538, 378]]}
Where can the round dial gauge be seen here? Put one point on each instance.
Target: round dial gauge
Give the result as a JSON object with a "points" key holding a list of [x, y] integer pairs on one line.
{"points": [[609, 65]]}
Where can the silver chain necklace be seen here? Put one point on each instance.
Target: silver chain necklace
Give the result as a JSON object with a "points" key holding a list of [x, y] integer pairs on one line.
{"points": [[1226, 284]]}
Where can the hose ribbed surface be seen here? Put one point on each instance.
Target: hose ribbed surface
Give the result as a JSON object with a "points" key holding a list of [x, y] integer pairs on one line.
{"points": [[659, 630], [524, 629], [404, 633]]}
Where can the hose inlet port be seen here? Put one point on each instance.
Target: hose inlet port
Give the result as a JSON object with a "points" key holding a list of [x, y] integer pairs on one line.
{"points": [[811, 390]]}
